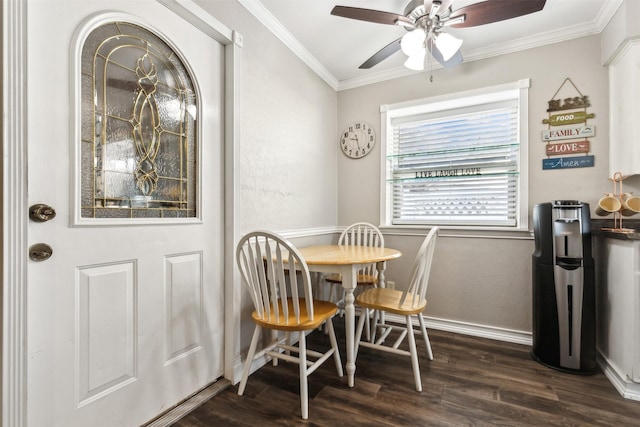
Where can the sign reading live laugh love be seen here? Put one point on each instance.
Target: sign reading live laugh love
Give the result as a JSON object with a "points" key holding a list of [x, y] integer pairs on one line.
{"points": [[568, 124]]}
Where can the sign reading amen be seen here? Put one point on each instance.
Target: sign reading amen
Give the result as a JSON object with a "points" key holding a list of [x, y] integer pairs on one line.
{"points": [[448, 172]]}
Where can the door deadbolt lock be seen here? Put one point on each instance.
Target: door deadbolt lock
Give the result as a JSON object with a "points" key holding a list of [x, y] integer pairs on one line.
{"points": [[40, 252], [41, 213]]}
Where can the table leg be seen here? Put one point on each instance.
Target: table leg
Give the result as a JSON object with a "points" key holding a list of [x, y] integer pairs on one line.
{"points": [[349, 283], [380, 266]]}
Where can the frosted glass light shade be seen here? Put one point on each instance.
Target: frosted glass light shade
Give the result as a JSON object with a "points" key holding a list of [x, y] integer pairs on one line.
{"points": [[416, 61], [447, 45], [413, 41]]}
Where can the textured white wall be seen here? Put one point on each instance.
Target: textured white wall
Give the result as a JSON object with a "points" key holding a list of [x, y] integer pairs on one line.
{"points": [[475, 280], [288, 173]]}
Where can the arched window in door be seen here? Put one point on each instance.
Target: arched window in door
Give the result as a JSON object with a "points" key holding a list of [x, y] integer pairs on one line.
{"points": [[139, 127]]}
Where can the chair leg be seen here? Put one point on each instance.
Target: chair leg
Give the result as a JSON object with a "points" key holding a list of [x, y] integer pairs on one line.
{"points": [[288, 342], [247, 363], [274, 338], [414, 354], [425, 336], [374, 325], [334, 345], [304, 390], [332, 295], [368, 326], [364, 313]]}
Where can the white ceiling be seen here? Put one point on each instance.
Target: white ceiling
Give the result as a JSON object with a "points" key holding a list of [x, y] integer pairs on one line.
{"points": [[335, 47]]}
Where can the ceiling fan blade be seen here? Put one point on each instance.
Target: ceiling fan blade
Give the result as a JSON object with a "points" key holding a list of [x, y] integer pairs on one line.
{"points": [[382, 54], [487, 12], [371, 15], [437, 55]]}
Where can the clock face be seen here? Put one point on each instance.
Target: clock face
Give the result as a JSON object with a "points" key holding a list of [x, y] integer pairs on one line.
{"points": [[357, 140]]}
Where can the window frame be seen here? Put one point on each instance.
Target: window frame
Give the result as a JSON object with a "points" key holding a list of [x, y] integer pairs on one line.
{"points": [[518, 90]]}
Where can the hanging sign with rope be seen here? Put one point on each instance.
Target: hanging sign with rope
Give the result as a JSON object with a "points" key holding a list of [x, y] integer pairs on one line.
{"points": [[569, 112]]}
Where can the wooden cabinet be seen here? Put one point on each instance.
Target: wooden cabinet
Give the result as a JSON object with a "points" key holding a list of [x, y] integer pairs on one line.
{"points": [[618, 312]]}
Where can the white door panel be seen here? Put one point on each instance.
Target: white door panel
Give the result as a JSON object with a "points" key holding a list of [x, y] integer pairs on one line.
{"points": [[124, 321]]}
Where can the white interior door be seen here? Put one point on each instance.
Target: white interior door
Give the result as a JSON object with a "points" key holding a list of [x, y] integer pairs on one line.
{"points": [[124, 321]]}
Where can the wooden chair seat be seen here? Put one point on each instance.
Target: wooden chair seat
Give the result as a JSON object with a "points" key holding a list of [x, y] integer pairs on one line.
{"points": [[322, 310], [389, 300]]}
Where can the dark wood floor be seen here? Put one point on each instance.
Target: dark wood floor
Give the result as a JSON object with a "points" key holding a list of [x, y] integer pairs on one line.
{"points": [[471, 382]]}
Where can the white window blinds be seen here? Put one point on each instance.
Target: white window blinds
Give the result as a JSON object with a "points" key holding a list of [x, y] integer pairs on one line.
{"points": [[458, 166]]}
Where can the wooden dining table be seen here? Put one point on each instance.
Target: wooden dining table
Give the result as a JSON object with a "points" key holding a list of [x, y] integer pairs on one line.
{"points": [[348, 260]]}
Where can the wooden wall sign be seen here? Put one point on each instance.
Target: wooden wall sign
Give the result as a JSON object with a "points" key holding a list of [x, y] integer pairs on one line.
{"points": [[568, 162], [568, 118], [568, 132], [569, 125], [571, 147]]}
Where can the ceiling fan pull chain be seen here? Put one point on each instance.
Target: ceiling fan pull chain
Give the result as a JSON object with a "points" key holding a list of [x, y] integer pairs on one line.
{"points": [[430, 60], [430, 68]]}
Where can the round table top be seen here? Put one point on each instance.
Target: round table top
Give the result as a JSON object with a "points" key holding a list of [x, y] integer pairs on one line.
{"points": [[346, 254]]}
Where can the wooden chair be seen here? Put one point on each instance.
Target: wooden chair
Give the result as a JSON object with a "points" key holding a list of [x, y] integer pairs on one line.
{"points": [[283, 301], [360, 234], [408, 303]]}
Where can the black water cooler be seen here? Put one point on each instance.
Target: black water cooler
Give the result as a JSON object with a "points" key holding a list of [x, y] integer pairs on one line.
{"points": [[564, 320]]}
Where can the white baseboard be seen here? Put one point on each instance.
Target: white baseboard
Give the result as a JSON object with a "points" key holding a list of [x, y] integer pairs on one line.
{"points": [[473, 329], [627, 389]]}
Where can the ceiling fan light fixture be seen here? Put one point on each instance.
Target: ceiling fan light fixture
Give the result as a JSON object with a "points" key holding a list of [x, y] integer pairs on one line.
{"points": [[416, 61], [413, 41], [448, 45]]}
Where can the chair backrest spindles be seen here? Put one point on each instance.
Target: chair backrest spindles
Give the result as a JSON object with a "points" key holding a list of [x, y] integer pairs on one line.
{"points": [[363, 234], [421, 270], [275, 273]]}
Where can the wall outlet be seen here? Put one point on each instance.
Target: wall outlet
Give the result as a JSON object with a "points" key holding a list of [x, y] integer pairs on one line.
{"points": [[390, 285]]}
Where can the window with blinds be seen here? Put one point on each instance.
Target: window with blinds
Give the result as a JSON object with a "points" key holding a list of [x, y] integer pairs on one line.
{"points": [[455, 163]]}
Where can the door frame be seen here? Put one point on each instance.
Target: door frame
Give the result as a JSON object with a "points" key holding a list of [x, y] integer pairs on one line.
{"points": [[14, 214]]}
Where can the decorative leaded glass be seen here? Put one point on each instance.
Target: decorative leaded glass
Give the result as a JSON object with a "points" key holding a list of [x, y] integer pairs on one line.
{"points": [[138, 127]]}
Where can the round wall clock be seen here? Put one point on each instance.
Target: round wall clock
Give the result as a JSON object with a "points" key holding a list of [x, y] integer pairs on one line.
{"points": [[357, 140]]}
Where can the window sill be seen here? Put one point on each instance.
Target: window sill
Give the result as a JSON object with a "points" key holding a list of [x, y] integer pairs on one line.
{"points": [[459, 232]]}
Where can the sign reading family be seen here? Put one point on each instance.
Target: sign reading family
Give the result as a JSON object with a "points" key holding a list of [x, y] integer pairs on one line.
{"points": [[568, 132], [444, 173], [571, 128]]}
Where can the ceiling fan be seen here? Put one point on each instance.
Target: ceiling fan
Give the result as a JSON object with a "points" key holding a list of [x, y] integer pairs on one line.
{"points": [[425, 20]]}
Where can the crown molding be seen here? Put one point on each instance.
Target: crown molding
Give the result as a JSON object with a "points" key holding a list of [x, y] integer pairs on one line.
{"points": [[606, 13], [257, 9]]}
